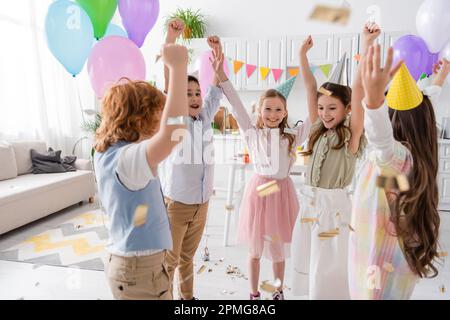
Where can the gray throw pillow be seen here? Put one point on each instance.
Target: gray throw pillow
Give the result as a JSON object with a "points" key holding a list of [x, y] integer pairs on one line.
{"points": [[48, 162]]}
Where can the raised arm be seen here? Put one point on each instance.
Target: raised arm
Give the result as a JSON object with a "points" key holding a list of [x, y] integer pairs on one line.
{"points": [[175, 57], [239, 112], [308, 79], [441, 71], [375, 80], [213, 96], [175, 28], [370, 33]]}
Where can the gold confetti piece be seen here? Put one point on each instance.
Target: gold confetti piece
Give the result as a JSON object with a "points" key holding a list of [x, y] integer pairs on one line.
{"points": [[36, 284], [201, 269], [442, 289], [325, 13], [324, 91], [140, 215], [442, 254], [221, 259], [328, 234], [267, 188], [308, 220], [388, 267], [268, 287], [209, 270], [229, 207], [402, 183], [274, 238], [78, 226], [351, 228]]}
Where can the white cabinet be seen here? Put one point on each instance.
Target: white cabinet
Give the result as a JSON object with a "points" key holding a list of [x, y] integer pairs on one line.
{"points": [[444, 175], [321, 53], [267, 53]]}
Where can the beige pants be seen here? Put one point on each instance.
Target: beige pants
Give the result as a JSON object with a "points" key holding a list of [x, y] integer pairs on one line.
{"points": [[187, 223], [138, 278]]}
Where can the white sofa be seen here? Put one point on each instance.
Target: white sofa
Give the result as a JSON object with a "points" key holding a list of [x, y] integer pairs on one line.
{"points": [[26, 197]]}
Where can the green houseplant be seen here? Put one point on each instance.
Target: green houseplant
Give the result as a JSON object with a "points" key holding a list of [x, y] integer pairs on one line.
{"points": [[194, 21]]}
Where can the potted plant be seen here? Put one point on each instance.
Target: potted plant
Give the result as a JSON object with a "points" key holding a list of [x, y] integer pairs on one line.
{"points": [[195, 23]]}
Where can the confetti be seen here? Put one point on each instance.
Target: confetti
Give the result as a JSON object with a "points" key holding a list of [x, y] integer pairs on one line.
{"points": [[140, 215], [267, 188], [270, 287], [209, 270], [201, 269], [351, 228], [229, 207], [221, 259], [36, 284], [442, 289], [388, 267], [402, 183], [308, 220], [274, 238], [205, 255], [442, 254], [325, 91], [328, 234], [331, 14]]}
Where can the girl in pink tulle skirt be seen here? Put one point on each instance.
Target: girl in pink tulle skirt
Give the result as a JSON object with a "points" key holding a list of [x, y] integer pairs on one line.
{"points": [[267, 220]]}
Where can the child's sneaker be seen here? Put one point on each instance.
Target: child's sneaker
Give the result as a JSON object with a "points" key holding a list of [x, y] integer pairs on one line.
{"points": [[255, 296], [277, 295]]}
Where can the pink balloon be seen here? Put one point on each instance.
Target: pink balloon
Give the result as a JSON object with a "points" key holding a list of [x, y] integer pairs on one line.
{"points": [[206, 71], [112, 58]]}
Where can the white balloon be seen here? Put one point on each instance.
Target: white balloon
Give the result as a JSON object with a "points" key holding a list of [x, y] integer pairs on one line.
{"points": [[445, 53], [433, 23]]}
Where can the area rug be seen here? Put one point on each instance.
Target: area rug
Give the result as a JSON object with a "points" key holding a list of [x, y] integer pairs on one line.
{"points": [[79, 242]]}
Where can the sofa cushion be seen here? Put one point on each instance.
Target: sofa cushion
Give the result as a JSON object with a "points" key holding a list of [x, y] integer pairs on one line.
{"points": [[22, 153], [8, 167], [23, 186]]}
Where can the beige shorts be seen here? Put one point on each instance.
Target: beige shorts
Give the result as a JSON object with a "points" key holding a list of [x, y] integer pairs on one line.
{"points": [[138, 278]]}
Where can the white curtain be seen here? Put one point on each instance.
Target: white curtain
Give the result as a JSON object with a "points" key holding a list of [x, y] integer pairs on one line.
{"points": [[39, 99]]}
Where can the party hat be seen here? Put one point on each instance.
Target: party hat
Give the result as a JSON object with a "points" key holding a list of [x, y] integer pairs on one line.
{"points": [[286, 87], [404, 94], [337, 76]]}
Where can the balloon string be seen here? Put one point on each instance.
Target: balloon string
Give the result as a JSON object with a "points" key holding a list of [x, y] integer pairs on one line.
{"points": [[80, 104]]}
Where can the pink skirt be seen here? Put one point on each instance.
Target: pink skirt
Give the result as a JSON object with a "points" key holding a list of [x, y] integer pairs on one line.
{"points": [[266, 223]]}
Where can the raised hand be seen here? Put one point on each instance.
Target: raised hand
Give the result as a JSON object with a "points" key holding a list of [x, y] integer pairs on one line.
{"points": [[213, 42], [175, 28], [307, 44], [375, 78], [174, 55], [370, 33], [441, 70], [217, 61]]}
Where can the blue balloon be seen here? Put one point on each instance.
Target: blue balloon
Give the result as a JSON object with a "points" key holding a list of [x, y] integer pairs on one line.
{"points": [[70, 34], [115, 30]]}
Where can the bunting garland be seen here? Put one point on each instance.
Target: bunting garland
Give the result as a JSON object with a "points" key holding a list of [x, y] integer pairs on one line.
{"points": [[291, 71]]}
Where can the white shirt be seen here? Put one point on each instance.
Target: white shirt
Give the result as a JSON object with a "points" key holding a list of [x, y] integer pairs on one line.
{"points": [[187, 174]]}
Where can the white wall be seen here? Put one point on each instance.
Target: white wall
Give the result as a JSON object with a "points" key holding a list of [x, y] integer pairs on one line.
{"points": [[248, 18]]}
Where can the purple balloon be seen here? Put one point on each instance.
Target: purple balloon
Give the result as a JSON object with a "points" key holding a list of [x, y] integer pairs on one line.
{"points": [[414, 52], [138, 18]]}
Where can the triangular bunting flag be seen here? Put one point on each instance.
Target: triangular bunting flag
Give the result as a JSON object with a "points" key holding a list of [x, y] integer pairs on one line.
{"points": [[293, 71], [250, 68], [237, 65], [326, 68], [277, 74], [264, 72]]}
